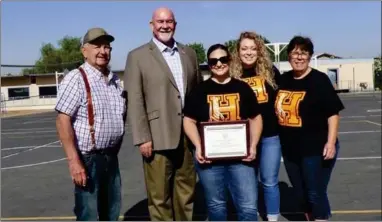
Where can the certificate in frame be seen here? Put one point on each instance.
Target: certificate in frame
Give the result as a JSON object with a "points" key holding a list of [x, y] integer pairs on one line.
{"points": [[225, 140]]}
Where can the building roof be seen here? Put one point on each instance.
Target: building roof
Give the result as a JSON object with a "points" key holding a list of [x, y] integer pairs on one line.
{"points": [[326, 55]]}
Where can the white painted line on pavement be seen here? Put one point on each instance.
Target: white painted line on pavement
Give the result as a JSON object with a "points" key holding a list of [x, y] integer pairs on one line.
{"points": [[35, 148], [354, 117], [24, 147], [354, 158], [42, 131], [374, 110], [368, 121], [352, 121], [40, 120], [26, 129], [355, 132], [34, 164], [360, 158], [351, 117]]}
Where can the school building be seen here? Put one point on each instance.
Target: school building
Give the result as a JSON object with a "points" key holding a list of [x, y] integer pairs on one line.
{"points": [[38, 91]]}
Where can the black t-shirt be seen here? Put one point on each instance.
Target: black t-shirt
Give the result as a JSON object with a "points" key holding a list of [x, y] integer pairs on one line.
{"points": [[211, 101], [307, 103], [266, 96]]}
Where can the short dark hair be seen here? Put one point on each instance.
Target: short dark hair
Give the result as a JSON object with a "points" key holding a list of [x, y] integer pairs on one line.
{"points": [[215, 47], [301, 42]]}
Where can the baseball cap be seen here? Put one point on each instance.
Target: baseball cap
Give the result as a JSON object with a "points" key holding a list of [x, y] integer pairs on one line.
{"points": [[95, 33]]}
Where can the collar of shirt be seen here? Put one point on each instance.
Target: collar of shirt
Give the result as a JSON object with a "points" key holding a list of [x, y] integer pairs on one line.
{"points": [[164, 48], [93, 72]]}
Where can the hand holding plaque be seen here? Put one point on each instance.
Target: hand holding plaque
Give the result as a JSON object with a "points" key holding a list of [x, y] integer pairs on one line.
{"points": [[225, 140]]}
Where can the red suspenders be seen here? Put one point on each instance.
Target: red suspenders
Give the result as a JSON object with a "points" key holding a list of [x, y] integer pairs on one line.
{"points": [[90, 106]]}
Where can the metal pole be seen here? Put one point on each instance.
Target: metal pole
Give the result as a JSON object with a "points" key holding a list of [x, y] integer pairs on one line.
{"points": [[276, 51], [56, 82], [353, 79], [315, 62], [278, 56]]}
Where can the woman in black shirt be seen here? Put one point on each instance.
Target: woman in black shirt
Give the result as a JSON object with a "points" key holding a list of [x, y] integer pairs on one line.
{"points": [[252, 64], [308, 113], [222, 98]]}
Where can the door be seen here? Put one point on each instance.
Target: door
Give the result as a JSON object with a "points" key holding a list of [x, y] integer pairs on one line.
{"points": [[333, 76]]}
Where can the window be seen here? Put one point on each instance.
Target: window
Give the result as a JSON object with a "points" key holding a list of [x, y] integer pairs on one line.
{"points": [[18, 93], [47, 91]]}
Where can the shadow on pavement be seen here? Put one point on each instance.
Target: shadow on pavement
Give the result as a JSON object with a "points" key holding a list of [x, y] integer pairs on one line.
{"points": [[288, 206]]}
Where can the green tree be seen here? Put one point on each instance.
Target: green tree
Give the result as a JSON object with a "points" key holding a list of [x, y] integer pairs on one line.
{"points": [[66, 56], [231, 45], [200, 51]]}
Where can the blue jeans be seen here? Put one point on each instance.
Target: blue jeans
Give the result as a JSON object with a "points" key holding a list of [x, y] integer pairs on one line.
{"points": [[310, 176], [269, 157], [239, 178], [101, 198]]}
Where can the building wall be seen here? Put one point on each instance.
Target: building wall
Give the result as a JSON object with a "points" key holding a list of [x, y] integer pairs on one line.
{"points": [[25, 82], [351, 72], [14, 81], [45, 80]]}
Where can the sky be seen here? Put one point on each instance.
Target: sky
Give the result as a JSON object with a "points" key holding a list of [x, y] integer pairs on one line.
{"points": [[344, 28]]}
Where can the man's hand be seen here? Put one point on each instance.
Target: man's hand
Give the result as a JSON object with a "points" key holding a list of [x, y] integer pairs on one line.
{"points": [[77, 171], [146, 149], [252, 154], [329, 151]]}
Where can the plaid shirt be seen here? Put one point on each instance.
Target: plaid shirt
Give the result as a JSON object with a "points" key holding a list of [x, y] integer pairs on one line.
{"points": [[172, 57], [108, 103]]}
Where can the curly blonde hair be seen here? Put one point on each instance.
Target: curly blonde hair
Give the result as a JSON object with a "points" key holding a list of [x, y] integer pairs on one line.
{"points": [[263, 64]]}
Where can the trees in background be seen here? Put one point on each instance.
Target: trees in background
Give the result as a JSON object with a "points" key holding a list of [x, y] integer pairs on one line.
{"points": [[66, 56], [200, 51], [231, 45]]}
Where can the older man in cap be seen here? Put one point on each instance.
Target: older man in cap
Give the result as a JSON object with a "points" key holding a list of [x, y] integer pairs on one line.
{"points": [[90, 123]]}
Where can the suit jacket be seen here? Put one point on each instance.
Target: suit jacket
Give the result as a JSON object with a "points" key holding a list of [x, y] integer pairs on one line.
{"points": [[154, 102]]}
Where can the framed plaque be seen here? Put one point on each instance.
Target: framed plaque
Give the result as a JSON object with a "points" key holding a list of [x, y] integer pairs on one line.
{"points": [[225, 140]]}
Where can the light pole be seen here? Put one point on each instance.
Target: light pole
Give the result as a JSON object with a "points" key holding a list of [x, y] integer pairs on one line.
{"points": [[278, 47], [66, 71]]}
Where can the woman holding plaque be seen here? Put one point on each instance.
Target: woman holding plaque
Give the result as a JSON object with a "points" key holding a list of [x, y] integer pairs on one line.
{"points": [[308, 112], [252, 64], [224, 99]]}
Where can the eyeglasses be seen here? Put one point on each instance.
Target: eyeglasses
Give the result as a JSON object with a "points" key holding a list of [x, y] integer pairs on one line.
{"points": [[214, 61], [295, 55]]}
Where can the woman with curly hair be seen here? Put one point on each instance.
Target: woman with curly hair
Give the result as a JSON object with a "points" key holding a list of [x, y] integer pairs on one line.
{"points": [[252, 64]]}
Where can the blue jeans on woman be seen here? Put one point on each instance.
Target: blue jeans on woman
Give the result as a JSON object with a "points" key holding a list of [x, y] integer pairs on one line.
{"points": [[239, 177], [310, 176], [270, 156]]}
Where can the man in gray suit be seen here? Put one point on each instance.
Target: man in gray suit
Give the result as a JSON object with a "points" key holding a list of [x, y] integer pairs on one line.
{"points": [[158, 76]]}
